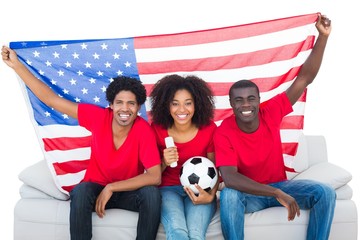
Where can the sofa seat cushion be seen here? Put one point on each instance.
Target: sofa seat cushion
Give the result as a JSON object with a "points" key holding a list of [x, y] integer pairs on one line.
{"points": [[47, 219]]}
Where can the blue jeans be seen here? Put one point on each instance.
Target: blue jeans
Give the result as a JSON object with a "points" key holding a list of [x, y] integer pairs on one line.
{"points": [[145, 200], [181, 218], [317, 197]]}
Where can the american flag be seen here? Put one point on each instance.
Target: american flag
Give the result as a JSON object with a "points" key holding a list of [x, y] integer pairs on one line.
{"points": [[269, 53]]}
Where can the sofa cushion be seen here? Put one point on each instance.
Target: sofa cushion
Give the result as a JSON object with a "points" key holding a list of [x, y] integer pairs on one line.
{"points": [[327, 173], [38, 176]]}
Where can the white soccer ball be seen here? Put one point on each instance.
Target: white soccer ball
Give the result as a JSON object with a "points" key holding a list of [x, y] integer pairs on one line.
{"points": [[200, 170]]}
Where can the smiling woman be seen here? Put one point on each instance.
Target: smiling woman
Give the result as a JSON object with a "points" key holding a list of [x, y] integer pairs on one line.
{"points": [[182, 107], [20, 151]]}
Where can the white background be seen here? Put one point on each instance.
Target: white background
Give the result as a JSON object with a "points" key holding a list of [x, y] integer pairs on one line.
{"points": [[332, 103]]}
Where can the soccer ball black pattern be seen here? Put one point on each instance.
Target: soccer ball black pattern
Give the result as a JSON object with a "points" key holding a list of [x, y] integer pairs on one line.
{"points": [[200, 170]]}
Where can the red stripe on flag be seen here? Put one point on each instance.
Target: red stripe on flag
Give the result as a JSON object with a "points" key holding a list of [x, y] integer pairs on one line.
{"points": [[71, 166], [290, 148], [227, 62], [221, 114], [289, 169], [68, 188], [292, 122], [223, 34], [302, 98], [66, 143]]}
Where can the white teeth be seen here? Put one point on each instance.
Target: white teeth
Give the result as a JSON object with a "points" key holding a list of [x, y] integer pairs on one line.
{"points": [[182, 116], [246, 112], [124, 115]]}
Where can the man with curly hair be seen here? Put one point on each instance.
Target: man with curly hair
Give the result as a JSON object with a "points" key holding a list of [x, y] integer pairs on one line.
{"points": [[123, 146]]}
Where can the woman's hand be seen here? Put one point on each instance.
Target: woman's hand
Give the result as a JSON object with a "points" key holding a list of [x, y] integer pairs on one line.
{"points": [[202, 198], [170, 155]]}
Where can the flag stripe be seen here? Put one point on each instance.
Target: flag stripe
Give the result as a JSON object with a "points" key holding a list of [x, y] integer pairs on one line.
{"points": [[226, 62], [70, 166], [66, 143], [226, 33], [290, 148], [292, 122]]}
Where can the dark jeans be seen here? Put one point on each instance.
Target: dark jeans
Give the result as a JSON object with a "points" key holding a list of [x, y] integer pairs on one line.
{"points": [[146, 201]]}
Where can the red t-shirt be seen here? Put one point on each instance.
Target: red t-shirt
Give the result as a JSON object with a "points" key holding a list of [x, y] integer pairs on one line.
{"points": [[200, 145], [257, 155], [107, 165]]}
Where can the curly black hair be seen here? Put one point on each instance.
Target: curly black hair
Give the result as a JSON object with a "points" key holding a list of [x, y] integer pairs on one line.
{"points": [[123, 83], [163, 93]]}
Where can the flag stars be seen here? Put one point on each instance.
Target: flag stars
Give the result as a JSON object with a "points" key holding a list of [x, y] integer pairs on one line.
{"points": [[56, 55], [68, 64], [127, 64], [87, 65], [84, 91], [48, 63], [124, 46], [80, 73], [84, 46], [119, 73], [28, 62], [65, 91], [96, 56], [47, 114], [36, 54], [53, 82], [77, 100], [63, 46], [116, 56], [104, 46], [103, 89], [60, 73], [100, 74], [92, 80], [41, 72], [96, 99], [107, 65], [72, 81], [65, 116], [75, 55]]}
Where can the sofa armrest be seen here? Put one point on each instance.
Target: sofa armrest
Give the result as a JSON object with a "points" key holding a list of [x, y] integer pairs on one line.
{"points": [[38, 176], [327, 173], [27, 191], [344, 193]]}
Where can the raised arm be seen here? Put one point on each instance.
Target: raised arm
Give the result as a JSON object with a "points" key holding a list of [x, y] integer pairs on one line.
{"points": [[41, 90], [312, 64]]}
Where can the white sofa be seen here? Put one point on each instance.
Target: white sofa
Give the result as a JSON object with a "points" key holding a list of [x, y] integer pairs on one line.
{"points": [[42, 212]]}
